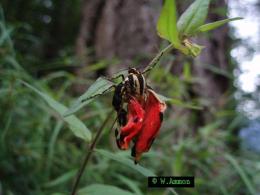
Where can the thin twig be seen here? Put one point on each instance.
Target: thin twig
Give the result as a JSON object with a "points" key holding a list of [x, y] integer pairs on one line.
{"points": [[157, 58], [149, 67], [89, 153]]}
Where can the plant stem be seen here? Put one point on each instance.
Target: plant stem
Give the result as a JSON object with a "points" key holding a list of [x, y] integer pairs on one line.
{"points": [[89, 153], [149, 67], [157, 58]]}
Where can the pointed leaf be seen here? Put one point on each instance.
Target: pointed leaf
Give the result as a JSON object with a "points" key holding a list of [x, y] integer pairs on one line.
{"points": [[97, 189], [76, 125], [193, 17], [133, 185], [166, 26], [61, 179], [213, 25], [241, 172], [125, 161], [99, 87]]}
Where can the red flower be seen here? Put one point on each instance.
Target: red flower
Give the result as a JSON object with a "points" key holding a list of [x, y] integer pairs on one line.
{"points": [[134, 123], [143, 123]]}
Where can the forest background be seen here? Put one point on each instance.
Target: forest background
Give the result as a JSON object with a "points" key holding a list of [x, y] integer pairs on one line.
{"points": [[211, 127]]}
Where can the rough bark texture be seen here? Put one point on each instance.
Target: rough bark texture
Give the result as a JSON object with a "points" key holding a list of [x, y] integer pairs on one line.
{"points": [[126, 30], [119, 29], [90, 11]]}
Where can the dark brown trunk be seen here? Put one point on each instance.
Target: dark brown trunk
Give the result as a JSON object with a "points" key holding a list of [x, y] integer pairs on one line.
{"points": [[90, 16], [120, 29]]}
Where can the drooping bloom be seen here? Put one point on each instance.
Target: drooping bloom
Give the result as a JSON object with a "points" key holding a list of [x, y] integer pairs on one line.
{"points": [[154, 109], [135, 117], [144, 120]]}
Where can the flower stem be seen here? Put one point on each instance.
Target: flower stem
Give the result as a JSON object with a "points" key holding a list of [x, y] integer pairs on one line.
{"points": [[157, 58], [89, 153], [149, 67]]}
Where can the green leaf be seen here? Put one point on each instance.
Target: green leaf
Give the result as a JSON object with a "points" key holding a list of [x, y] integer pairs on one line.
{"points": [[119, 74], [97, 189], [216, 70], [187, 72], [99, 87], [76, 125], [193, 48], [166, 26], [242, 173], [130, 183], [61, 179], [213, 25], [193, 17], [178, 102], [207, 130], [58, 193], [178, 162], [126, 161]]}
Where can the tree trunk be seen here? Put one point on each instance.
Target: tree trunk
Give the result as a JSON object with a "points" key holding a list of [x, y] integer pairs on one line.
{"points": [[214, 86], [90, 16], [126, 30], [120, 29]]}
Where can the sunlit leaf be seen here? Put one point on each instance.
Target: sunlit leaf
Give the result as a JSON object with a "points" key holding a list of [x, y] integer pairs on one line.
{"points": [[98, 189], [193, 17], [99, 87], [213, 25], [126, 161], [76, 125], [166, 26]]}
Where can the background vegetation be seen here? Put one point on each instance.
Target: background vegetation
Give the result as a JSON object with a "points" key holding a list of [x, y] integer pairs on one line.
{"points": [[61, 47]]}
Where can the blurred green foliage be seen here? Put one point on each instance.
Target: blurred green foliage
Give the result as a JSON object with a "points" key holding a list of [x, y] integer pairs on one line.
{"points": [[38, 153]]}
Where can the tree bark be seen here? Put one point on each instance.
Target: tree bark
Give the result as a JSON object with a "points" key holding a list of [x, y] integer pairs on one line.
{"points": [[126, 30], [214, 86], [90, 17], [120, 29]]}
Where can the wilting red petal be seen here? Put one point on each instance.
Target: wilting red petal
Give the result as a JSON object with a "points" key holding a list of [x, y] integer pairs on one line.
{"points": [[135, 118], [154, 109]]}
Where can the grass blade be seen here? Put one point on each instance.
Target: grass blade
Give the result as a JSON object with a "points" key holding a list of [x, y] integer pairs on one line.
{"points": [[241, 172]]}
